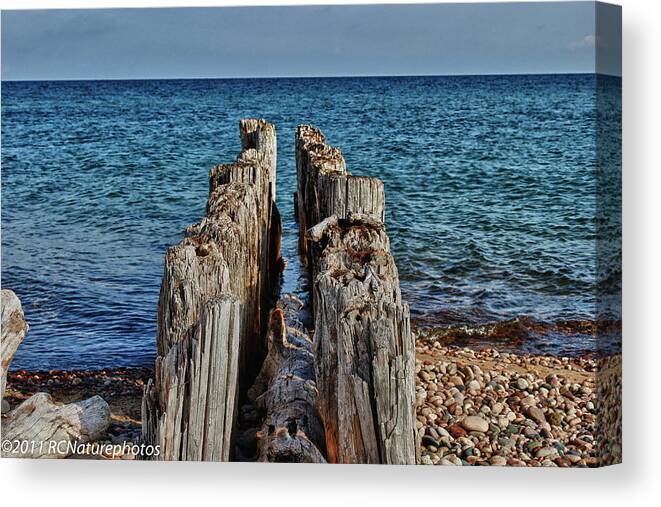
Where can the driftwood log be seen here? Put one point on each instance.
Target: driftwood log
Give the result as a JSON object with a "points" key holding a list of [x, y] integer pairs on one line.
{"points": [[213, 307], [285, 390], [48, 427], [364, 351], [14, 329]]}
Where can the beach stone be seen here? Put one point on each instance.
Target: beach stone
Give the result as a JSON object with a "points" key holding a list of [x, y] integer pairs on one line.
{"points": [[528, 401], [536, 414], [573, 458], [442, 432], [498, 461], [457, 431], [545, 452], [555, 419], [428, 440], [474, 385], [5, 406], [522, 384], [475, 423]]}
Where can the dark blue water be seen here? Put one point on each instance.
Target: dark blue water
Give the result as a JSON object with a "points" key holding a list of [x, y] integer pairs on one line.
{"points": [[491, 192]]}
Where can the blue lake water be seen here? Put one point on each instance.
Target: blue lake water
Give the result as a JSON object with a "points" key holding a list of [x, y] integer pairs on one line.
{"points": [[492, 193]]}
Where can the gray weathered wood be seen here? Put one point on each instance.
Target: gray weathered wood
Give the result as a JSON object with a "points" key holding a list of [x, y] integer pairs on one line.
{"points": [[213, 307], [48, 426], [189, 408], [285, 390], [364, 352], [14, 329], [325, 188]]}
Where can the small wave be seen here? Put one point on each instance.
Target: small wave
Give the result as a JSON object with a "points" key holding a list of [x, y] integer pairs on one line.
{"points": [[528, 335]]}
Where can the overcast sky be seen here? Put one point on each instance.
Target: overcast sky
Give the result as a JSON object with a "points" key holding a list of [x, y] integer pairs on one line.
{"points": [[337, 40]]}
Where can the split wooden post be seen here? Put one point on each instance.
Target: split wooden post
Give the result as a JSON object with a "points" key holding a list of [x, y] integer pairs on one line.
{"points": [[364, 351], [213, 307], [325, 188]]}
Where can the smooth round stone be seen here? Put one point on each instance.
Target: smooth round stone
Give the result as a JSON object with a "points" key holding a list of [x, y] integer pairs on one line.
{"points": [[442, 432], [573, 458], [528, 401], [498, 461], [475, 423], [522, 384], [536, 414], [474, 385], [555, 419], [544, 452], [455, 460], [426, 460], [430, 441]]}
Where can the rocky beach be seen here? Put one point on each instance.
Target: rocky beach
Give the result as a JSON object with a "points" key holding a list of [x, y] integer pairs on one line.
{"points": [[474, 407], [483, 407]]}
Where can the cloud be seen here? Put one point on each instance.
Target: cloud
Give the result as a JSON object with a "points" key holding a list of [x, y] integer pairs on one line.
{"points": [[589, 41]]}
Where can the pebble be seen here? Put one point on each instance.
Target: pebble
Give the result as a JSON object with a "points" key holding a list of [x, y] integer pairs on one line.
{"points": [[498, 461], [456, 431], [427, 441], [475, 423], [545, 451], [536, 414], [474, 385]]}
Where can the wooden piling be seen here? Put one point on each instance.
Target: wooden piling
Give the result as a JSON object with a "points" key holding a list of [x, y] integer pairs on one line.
{"points": [[364, 352], [213, 307], [325, 188]]}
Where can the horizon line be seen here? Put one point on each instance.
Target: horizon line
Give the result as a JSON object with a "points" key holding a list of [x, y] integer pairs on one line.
{"points": [[495, 74]]}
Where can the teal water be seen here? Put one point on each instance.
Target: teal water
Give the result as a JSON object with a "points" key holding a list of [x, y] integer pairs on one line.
{"points": [[492, 194]]}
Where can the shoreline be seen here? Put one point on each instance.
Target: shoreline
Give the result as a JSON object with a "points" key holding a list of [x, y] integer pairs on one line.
{"points": [[534, 410]]}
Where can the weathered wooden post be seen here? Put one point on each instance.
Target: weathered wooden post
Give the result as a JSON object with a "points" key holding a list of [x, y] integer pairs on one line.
{"points": [[325, 188], [364, 352], [213, 307]]}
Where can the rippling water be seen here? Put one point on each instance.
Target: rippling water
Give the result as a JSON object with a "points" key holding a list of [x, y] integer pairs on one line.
{"points": [[491, 188]]}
